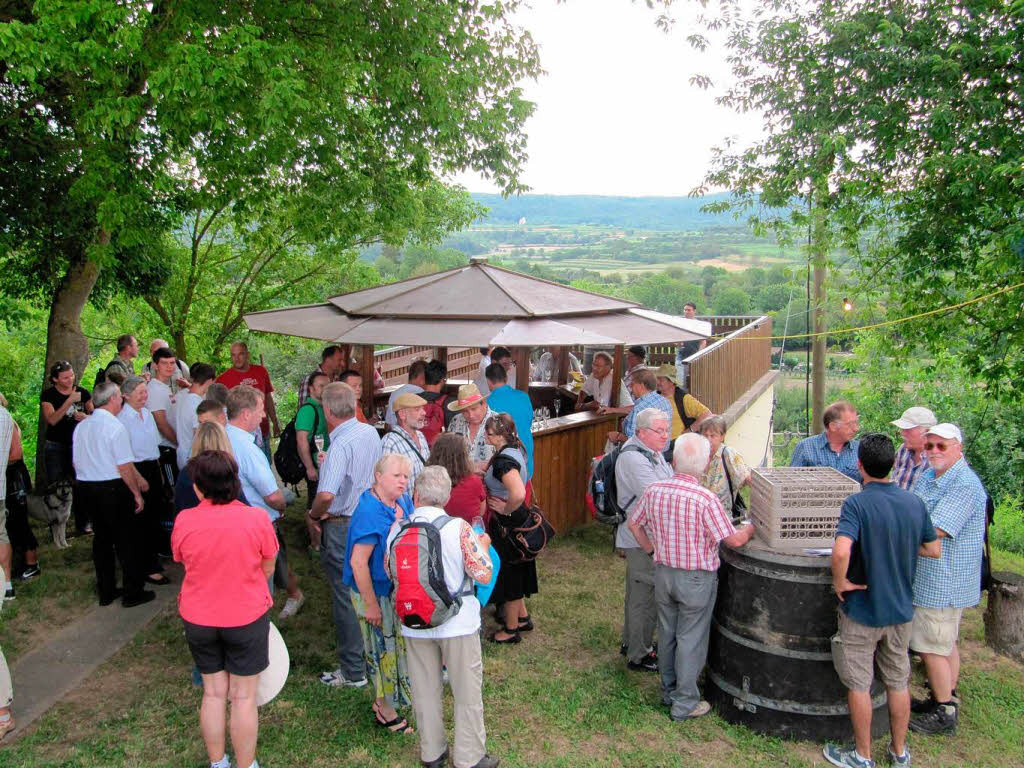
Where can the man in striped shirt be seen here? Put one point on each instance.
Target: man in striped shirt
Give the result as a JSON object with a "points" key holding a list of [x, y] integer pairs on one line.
{"points": [[911, 459], [680, 523], [345, 473], [405, 438]]}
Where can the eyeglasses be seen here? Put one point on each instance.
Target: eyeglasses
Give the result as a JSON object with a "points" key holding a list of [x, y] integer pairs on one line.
{"points": [[937, 446], [662, 431]]}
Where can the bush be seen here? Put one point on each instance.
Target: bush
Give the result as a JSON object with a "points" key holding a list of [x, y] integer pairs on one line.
{"points": [[1007, 532]]}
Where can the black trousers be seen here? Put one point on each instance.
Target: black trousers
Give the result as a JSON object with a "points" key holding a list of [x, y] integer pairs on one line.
{"points": [[155, 511], [169, 476], [18, 529], [116, 531]]}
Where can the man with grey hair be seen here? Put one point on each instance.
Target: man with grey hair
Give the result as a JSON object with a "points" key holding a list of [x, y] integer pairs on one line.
{"points": [[680, 524], [108, 485], [455, 643], [345, 472], [406, 437], [911, 458], [639, 464]]}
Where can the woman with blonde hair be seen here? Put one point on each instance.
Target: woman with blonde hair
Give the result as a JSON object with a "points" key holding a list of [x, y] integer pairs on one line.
{"points": [[728, 472], [210, 436], [372, 591]]}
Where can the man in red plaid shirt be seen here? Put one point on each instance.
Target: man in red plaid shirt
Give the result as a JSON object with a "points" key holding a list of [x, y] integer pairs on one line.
{"points": [[680, 524]]}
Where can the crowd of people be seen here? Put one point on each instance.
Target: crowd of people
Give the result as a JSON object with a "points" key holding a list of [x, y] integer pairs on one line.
{"points": [[174, 461], [906, 563]]}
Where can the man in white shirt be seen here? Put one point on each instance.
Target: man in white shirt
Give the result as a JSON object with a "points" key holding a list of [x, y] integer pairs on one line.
{"points": [[109, 486], [406, 439], [417, 381], [597, 389], [162, 397], [181, 380], [259, 486], [185, 418], [498, 355], [7, 439], [456, 642]]}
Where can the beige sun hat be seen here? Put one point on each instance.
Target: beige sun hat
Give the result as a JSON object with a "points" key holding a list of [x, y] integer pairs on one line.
{"points": [[408, 400], [667, 371], [272, 679], [469, 394], [916, 416]]}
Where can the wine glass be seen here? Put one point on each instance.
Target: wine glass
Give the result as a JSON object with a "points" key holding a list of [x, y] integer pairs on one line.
{"points": [[319, 441], [557, 405]]}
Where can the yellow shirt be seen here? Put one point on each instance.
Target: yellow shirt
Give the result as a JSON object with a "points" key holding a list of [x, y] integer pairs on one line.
{"points": [[694, 409]]}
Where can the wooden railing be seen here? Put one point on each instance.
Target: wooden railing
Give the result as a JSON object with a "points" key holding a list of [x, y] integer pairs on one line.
{"points": [[394, 362], [722, 372]]}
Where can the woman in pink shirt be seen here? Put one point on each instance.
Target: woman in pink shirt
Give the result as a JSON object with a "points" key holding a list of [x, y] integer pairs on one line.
{"points": [[468, 499], [228, 550]]}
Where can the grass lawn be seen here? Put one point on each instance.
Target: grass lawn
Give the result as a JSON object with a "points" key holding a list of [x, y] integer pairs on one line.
{"points": [[561, 698]]}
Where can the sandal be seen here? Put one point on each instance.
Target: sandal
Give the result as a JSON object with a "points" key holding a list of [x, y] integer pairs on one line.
{"points": [[397, 725], [515, 637], [525, 624]]}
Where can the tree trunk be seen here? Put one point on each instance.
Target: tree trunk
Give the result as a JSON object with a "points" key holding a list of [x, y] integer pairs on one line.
{"points": [[64, 337], [178, 343], [819, 254], [1004, 616]]}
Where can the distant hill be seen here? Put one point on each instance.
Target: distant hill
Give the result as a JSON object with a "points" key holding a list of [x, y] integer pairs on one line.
{"points": [[665, 213]]}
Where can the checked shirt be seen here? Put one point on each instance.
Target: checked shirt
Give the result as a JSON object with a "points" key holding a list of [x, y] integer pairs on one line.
{"points": [[684, 522], [956, 503], [650, 400]]}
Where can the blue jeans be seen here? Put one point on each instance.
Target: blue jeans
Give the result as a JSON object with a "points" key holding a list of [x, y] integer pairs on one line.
{"points": [[349, 635]]}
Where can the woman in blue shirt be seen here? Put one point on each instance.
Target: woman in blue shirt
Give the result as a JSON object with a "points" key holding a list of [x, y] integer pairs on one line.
{"points": [[364, 573]]}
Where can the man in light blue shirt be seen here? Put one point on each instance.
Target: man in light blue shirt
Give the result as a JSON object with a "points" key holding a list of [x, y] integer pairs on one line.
{"points": [[505, 399], [835, 447], [955, 499], [259, 486], [345, 473]]}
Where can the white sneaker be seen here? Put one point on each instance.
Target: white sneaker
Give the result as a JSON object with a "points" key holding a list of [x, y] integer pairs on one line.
{"points": [[337, 680], [291, 606]]}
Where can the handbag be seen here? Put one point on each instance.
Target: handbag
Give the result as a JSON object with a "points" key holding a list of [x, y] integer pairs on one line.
{"points": [[739, 506], [524, 542]]}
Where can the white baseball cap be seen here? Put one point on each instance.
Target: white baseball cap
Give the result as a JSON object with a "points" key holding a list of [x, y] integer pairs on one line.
{"points": [[946, 430], [915, 417]]}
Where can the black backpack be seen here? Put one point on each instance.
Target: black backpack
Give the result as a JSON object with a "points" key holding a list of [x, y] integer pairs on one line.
{"points": [[602, 488], [286, 458]]}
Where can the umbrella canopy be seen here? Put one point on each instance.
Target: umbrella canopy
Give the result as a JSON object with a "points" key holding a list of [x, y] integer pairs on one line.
{"points": [[478, 305]]}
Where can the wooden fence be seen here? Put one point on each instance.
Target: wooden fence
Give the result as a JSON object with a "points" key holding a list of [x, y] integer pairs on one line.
{"points": [[394, 362], [722, 372]]}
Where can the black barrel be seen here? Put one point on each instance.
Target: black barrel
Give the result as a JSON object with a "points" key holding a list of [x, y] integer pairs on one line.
{"points": [[770, 659]]}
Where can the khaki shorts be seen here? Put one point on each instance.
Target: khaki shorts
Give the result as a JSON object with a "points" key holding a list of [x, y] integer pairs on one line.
{"points": [[3, 526], [935, 630], [856, 648]]}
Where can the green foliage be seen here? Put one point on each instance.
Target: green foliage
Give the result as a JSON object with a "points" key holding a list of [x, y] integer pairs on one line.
{"points": [[1007, 532], [993, 429], [899, 121], [729, 300]]}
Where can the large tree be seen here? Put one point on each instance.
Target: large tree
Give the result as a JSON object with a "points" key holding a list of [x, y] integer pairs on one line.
{"points": [[116, 116], [909, 114]]}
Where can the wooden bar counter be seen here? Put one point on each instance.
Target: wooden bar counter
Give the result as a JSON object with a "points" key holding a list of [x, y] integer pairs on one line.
{"points": [[562, 452]]}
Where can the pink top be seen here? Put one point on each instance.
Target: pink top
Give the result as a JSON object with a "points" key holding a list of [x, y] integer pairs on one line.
{"points": [[222, 547], [684, 522], [466, 498]]}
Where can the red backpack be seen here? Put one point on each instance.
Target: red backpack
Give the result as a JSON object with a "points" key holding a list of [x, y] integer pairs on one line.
{"points": [[416, 566]]}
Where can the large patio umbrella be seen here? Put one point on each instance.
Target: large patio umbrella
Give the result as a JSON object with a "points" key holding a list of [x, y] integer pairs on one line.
{"points": [[479, 305]]}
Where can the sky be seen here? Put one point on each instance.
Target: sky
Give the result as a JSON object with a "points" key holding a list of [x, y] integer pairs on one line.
{"points": [[616, 113]]}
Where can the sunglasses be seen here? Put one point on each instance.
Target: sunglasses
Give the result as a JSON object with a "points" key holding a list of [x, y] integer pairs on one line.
{"points": [[937, 446]]}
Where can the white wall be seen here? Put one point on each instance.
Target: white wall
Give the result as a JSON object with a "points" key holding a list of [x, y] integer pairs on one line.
{"points": [[750, 435]]}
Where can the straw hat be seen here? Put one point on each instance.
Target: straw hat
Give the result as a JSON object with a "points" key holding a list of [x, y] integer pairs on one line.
{"points": [[408, 400], [667, 371], [469, 394], [272, 679]]}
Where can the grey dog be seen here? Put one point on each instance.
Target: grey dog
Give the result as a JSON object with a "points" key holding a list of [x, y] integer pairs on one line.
{"points": [[53, 507]]}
